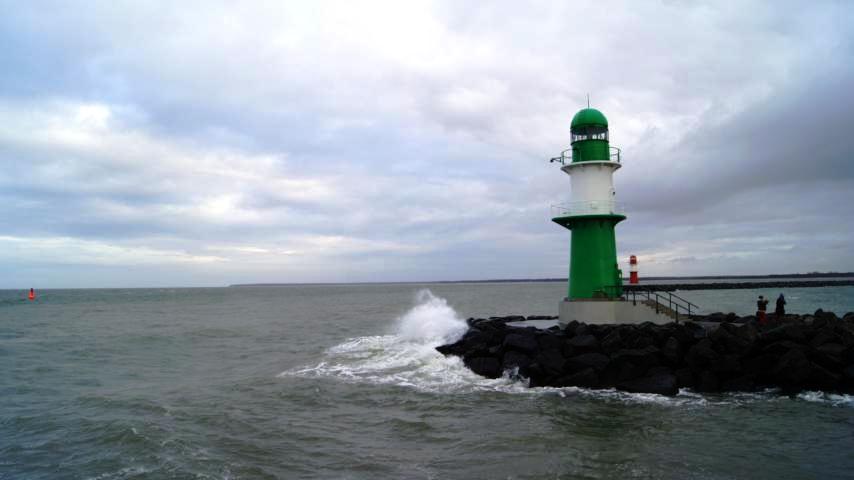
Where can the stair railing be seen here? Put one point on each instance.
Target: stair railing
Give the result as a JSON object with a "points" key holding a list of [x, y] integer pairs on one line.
{"points": [[664, 299]]}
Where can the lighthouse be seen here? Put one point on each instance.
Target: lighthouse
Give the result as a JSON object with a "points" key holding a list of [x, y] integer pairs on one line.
{"points": [[595, 280], [595, 290]]}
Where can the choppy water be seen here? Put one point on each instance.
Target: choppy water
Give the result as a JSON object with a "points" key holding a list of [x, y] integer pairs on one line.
{"points": [[343, 382]]}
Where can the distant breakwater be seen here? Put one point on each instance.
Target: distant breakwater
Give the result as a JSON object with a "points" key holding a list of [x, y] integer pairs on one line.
{"points": [[672, 287], [794, 353]]}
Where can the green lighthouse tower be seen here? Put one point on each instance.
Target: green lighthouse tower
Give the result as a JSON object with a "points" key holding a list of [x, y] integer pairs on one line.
{"points": [[591, 215]]}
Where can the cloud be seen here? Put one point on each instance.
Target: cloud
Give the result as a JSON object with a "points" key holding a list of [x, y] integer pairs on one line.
{"points": [[340, 141]]}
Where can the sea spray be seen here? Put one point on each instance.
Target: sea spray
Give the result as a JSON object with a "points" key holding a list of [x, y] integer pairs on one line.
{"points": [[431, 321], [407, 356]]}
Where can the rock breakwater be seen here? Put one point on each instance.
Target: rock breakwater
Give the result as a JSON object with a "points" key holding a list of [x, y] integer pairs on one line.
{"points": [[709, 354], [672, 287]]}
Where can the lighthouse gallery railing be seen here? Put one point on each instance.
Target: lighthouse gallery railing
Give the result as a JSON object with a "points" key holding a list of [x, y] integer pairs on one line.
{"points": [[566, 156]]}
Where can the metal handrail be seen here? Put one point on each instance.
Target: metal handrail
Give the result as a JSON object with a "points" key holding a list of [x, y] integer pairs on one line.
{"points": [[566, 156], [563, 159], [672, 301]]}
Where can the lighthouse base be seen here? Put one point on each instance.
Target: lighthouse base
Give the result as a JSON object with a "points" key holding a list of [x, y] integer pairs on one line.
{"points": [[610, 312]]}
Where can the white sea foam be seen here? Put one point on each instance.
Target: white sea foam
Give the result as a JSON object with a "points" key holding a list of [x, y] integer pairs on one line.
{"points": [[407, 357], [127, 472], [837, 400]]}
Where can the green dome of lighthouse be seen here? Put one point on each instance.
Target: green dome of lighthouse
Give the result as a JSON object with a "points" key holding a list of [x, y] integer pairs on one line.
{"points": [[589, 116]]}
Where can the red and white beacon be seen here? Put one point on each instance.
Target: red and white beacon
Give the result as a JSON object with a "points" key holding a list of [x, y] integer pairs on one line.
{"points": [[633, 269]]}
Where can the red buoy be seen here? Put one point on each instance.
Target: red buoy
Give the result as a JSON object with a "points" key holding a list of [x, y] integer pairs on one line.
{"points": [[633, 269], [32, 295]]}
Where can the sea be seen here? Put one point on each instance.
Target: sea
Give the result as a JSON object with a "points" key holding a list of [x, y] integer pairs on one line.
{"points": [[343, 382]]}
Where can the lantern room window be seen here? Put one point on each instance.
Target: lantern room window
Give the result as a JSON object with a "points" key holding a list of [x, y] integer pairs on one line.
{"points": [[589, 132]]}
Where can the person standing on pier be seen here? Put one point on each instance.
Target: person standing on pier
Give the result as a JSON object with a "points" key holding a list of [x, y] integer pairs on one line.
{"points": [[780, 311], [761, 305]]}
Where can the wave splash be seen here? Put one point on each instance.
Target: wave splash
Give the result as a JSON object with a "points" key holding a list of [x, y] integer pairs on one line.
{"points": [[407, 356], [431, 321]]}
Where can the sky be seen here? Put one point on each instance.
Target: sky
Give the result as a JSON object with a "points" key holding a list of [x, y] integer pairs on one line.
{"points": [[148, 144]]}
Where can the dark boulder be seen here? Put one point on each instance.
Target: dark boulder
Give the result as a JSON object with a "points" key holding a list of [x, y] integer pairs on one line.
{"points": [[684, 378], [536, 375], [727, 364], [760, 365], [481, 339], [827, 316], [514, 359], [582, 329], [457, 348], [744, 383], [584, 342], [471, 321], [834, 350], [707, 382], [695, 330], [746, 332], [568, 351], [570, 328], [550, 341], [596, 361], [701, 355], [662, 384], [641, 341], [614, 373], [790, 331], [526, 343], [613, 341], [658, 370], [551, 361], [645, 357], [682, 332], [782, 347], [830, 355], [793, 369], [672, 350], [822, 379], [825, 335], [727, 339], [485, 366], [587, 378]]}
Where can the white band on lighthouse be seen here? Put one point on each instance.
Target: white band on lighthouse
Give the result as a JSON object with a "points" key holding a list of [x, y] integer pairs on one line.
{"points": [[592, 186]]}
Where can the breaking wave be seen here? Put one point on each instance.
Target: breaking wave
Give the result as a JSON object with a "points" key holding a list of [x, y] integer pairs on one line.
{"points": [[407, 356]]}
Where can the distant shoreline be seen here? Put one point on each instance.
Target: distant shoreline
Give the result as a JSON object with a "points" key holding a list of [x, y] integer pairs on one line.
{"points": [[533, 280]]}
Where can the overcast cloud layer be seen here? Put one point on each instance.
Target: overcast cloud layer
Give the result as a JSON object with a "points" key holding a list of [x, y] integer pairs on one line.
{"points": [[206, 143]]}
